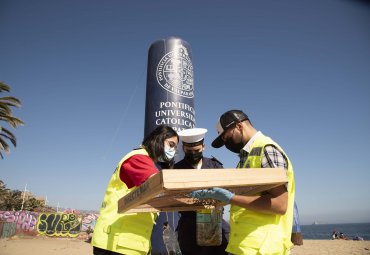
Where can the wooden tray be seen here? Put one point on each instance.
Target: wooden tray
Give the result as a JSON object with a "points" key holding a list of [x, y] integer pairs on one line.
{"points": [[169, 190]]}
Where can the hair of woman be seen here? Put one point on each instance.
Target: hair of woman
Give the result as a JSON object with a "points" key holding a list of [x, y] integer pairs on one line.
{"points": [[154, 142]]}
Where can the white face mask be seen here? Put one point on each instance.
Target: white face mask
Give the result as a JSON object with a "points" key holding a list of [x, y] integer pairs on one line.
{"points": [[169, 153]]}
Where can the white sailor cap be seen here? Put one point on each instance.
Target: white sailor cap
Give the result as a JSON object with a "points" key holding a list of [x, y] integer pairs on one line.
{"points": [[192, 136]]}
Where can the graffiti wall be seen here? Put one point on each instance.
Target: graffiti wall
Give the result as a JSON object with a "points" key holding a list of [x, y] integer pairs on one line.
{"points": [[25, 221], [64, 224], [88, 221], [7, 229]]}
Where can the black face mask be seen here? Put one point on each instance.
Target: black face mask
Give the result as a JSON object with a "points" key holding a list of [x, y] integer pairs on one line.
{"points": [[234, 147], [194, 158]]}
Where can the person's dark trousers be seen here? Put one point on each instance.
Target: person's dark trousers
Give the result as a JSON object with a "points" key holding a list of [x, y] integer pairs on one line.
{"points": [[191, 248], [187, 238], [98, 251]]}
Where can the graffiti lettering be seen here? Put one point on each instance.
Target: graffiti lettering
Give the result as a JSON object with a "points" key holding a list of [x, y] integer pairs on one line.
{"points": [[55, 224], [26, 221], [89, 221]]}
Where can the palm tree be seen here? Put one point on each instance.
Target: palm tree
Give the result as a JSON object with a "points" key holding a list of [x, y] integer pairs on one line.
{"points": [[6, 115]]}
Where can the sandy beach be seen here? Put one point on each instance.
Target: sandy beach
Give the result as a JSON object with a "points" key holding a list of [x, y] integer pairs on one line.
{"points": [[62, 246], [339, 247], [44, 246]]}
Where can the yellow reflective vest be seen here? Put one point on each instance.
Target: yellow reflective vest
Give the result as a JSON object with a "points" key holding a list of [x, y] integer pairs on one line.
{"points": [[258, 233], [127, 233]]}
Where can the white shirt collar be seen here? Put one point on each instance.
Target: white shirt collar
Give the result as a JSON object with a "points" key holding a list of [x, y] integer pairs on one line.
{"points": [[248, 146]]}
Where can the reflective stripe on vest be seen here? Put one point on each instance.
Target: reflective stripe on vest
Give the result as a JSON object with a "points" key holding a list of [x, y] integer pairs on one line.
{"points": [[127, 233], [258, 233]]}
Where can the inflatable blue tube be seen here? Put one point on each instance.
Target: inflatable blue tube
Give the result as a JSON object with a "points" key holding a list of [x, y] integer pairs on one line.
{"points": [[169, 101], [170, 86]]}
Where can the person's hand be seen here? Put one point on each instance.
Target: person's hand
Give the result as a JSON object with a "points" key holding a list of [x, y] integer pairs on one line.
{"points": [[220, 194]]}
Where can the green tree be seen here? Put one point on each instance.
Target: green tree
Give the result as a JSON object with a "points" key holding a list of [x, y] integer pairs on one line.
{"points": [[6, 115], [32, 204], [13, 201], [4, 192]]}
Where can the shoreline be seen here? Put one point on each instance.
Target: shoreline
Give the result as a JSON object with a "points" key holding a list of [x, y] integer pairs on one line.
{"points": [[23, 245], [337, 246]]}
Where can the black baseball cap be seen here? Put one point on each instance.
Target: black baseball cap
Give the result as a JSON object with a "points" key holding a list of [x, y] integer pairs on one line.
{"points": [[227, 120]]}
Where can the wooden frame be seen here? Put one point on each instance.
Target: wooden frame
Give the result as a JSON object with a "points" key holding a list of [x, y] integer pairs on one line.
{"points": [[169, 190]]}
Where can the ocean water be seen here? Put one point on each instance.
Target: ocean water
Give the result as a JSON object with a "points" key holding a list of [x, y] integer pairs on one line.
{"points": [[324, 231]]}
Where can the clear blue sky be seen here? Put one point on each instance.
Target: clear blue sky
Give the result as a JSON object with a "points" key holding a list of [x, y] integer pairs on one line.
{"points": [[299, 69]]}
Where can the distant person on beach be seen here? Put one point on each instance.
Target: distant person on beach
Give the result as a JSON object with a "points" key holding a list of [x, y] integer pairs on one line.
{"points": [[358, 238], [129, 233], [342, 236], [193, 147], [259, 224], [335, 235], [89, 232]]}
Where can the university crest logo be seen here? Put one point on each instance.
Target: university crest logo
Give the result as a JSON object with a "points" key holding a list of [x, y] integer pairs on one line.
{"points": [[175, 72]]}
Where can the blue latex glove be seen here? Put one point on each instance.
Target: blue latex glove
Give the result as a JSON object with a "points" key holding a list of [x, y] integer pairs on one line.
{"points": [[223, 195]]}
